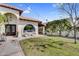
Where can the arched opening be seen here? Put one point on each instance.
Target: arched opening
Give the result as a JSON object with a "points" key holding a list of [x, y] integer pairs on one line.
{"points": [[10, 17], [29, 28], [10, 26]]}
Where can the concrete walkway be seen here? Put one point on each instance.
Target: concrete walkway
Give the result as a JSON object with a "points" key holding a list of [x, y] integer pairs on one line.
{"points": [[10, 48]]}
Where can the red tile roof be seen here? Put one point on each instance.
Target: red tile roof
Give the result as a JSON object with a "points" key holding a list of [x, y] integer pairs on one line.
{"points": [[29, 19], [11, 7], [21, 17], [32, 20]]}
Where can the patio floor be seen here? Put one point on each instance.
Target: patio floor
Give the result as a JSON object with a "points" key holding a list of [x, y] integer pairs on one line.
{"points": [[10, 48]]}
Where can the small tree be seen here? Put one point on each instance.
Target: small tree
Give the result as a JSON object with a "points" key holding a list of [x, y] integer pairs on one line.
{"points": [[58, 25], [2, 21], [71, 9]]}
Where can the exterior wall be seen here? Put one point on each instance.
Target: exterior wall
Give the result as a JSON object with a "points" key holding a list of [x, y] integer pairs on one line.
{"points": [[2, 29], [3, 11], [22, 24], [12, 20], [42, 30]]}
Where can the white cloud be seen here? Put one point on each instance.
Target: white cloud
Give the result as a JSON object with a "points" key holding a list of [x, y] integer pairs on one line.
{"points": [[54, 5], [28, 10]]}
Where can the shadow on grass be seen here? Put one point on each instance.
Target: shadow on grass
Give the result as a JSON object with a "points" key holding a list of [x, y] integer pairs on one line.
{"points": [[63, 36], [56, 45]]}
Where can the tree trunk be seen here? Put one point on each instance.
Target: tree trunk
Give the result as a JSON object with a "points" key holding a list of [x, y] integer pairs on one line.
{"points": [[68, 32], [75, 38]]}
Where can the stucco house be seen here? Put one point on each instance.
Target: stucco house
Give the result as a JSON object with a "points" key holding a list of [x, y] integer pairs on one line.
{"points": [[18, 25]]}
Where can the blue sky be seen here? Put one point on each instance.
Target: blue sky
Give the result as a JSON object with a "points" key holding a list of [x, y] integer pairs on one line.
{"points": [[41, 11]]}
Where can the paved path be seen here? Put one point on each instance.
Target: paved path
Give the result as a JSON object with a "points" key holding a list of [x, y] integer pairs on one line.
{"points": [[10, 48]]}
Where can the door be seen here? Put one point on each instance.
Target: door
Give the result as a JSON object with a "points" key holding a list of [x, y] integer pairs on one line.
{"points": [[10, 29]]}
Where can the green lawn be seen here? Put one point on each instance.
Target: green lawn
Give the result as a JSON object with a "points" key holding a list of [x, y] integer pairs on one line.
{"points": [[50, 46]]}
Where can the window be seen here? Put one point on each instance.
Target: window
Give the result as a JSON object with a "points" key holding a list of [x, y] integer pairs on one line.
{"points": [[29, 28]]}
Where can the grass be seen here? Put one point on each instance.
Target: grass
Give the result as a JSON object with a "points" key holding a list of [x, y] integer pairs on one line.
{"points": [[50, 46]]}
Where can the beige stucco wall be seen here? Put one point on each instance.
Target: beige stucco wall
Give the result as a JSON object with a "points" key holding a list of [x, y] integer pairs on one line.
{"points": [[7, 10], [3, 11], [19, 23], [22, 24]]}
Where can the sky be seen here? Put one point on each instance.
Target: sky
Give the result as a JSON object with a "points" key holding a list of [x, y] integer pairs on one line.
{"points": [[41, 11]]}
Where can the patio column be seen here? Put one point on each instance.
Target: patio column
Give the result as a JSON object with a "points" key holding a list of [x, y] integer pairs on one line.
{"points": [[36, 30], [43, 30], [19, 30]]}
